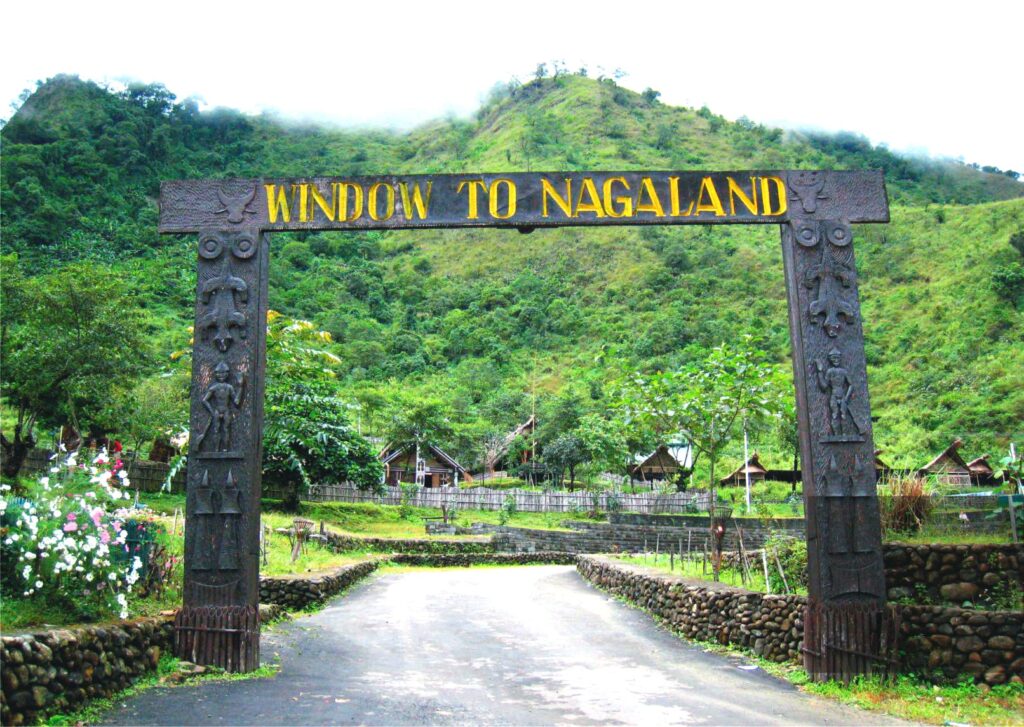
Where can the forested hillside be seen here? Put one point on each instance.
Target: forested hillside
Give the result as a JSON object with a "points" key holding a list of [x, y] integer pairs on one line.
{"points": [[482, 320]]}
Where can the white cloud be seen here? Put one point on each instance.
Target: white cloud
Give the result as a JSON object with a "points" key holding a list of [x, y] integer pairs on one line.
{"points": [[930, 76]]}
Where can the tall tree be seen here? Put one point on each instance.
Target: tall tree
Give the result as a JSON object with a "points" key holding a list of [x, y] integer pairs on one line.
{"points": [[70, 338]]}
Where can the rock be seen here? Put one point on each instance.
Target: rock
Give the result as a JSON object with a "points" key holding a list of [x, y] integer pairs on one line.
{"points": [[1001, 642], [995, 675], [900, 593], [969, 644], [40, 696], [956, 592]]}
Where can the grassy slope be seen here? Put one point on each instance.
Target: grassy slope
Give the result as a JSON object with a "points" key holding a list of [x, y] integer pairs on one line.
{"points": [[945, 353]]}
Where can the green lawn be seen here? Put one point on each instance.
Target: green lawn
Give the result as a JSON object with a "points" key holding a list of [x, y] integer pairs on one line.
{"points": [[701, 571]]}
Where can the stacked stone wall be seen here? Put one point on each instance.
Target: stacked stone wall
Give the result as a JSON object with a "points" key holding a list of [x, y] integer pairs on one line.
{"points": [[444, 560], [297, 593], [59, 670], [347, 543], [954, 574], [938, 643]]}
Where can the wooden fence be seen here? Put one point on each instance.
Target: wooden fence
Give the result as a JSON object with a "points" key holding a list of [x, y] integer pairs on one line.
{"points": [[479, 498]]}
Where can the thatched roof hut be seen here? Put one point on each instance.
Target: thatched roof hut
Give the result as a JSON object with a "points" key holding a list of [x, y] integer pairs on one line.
{"points": [[949, 467], [664, 463], [752, 466]]}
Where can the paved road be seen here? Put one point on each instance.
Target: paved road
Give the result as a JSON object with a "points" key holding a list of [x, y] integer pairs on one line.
{"points": [[525, 646]]}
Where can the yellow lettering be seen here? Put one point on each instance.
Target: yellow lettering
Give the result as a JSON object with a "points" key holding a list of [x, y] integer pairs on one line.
{"points": [[277, 204], [510, 195], [653, 203], [303, 202], [340, 190], [564, 203], [736, 191], [594, 205], [714, 204], [417, 202], [389, 204], [766, 198], [319, 201], [474, 186], [626, 203]]}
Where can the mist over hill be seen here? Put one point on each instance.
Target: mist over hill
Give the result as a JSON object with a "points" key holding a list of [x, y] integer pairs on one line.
{"points": [[481, 319]]}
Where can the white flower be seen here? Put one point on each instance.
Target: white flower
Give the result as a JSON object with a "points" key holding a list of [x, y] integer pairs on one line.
{"points": [[26, 572], [111, 576], [39, 584], [30, 556]]}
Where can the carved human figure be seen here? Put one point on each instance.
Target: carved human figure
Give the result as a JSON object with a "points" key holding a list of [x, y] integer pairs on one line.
{"points": [[834, 380], [221, 400]]}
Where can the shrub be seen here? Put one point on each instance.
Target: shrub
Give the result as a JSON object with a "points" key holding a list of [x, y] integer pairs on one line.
{"points": [[508, 509], [70, 540], [792, 554], [905, 503]]}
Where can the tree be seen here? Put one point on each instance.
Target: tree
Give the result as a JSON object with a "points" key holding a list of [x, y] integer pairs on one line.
{"points": [[309, 440], [69, 339], [155, 407], [416, 421], [706, 402], [566, 452]]}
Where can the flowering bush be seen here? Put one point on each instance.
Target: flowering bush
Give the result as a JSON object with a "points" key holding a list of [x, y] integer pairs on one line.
{"points": [[69, 538]]}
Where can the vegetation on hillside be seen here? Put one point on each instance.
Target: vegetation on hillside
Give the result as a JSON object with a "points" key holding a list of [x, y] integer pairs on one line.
{"points": [[494, 324]]}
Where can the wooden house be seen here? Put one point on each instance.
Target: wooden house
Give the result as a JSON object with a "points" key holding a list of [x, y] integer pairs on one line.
{"points": [[949, 467], [437, 468], [665, 463], [981, 471], [738, 477]]}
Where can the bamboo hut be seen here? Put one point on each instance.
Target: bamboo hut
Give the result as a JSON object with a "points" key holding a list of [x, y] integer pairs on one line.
{"points": [[738, 477], [948, 468]]}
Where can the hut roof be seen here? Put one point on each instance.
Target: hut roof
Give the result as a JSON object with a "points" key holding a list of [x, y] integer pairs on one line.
{"points": [[389, 455], [502, 449], [980, 466], [948, 461], [752, 465], [680, 452]]}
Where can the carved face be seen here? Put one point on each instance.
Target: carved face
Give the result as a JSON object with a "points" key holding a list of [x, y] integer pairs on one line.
{"points": [[221, 373], [833, 358]]}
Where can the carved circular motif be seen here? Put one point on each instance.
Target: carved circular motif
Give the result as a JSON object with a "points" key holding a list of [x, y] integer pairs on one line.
{"points": [[210, 247], [806, 233], [838, 234], [243, 247]]}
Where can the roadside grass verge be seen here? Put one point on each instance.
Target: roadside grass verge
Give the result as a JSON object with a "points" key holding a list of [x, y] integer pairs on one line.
{"points": [[168, 667]]}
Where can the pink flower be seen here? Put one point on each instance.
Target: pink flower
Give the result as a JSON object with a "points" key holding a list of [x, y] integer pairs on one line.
{"points": [[104, 536], [70, 526], [97, 516]]}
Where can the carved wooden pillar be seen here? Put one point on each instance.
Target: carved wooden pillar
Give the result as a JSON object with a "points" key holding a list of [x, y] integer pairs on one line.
{"points": [[845, 624], [219, 623]]}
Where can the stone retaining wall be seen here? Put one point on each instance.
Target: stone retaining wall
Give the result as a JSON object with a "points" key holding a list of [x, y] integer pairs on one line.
{"points": [[939, 643], [769, 625], [297, 593], [57, 671], [940, 573], [347, 543], [588, 537], [444, 560]]}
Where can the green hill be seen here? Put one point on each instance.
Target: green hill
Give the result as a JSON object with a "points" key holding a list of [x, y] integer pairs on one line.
{"points": [[483, 317]]}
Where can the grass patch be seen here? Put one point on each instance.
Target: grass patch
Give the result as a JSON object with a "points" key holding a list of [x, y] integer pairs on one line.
{"points": [[911, 698], [697, 570]]}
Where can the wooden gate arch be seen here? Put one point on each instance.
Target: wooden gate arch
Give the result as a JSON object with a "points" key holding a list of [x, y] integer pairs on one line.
{"points": [[845, 624]]}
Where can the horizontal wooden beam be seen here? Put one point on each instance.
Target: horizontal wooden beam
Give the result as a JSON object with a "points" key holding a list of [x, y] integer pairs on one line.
{"points": [[522, 200]]}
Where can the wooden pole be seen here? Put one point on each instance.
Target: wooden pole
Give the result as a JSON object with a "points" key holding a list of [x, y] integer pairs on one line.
{"points": [[782, 573], [764, 562]]}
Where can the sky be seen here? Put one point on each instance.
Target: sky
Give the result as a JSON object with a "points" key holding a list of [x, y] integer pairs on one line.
{"points": [[934, 78]]}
